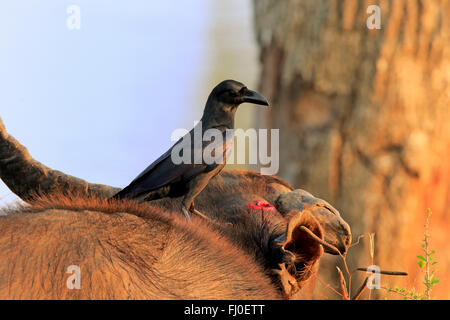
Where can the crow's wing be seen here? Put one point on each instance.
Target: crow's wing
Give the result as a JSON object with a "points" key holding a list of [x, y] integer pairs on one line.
{"points": [[159, 174], [163, 172]]}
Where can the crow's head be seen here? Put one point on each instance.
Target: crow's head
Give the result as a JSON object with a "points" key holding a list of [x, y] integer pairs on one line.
{"points": [[233, 93]]}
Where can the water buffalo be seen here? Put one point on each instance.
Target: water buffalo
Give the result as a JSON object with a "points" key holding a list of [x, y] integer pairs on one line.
{"points": [[130, 250], [135, 251], [127, 250]]}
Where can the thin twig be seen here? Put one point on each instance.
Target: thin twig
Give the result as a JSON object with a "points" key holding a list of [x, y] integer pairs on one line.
{"points": [[397, 292], [389, 273], [361, 289], [324, 283], [427, 257], [372, 254], [345, 263], [357, 241], [317, 239], [342, 282], [344, 260]]}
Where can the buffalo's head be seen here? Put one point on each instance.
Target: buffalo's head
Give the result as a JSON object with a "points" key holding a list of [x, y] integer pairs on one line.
{"points": [[335, 230], [312, 227]]}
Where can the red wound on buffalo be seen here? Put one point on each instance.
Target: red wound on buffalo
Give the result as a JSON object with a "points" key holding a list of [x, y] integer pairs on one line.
{"points": [[263, 206]]}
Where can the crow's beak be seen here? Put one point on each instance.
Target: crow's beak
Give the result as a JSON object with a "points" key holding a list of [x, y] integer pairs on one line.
{"points": [[255, 97]]}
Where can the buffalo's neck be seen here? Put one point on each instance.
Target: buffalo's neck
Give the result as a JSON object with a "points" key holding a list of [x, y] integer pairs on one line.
{"points": [[257, 240]]}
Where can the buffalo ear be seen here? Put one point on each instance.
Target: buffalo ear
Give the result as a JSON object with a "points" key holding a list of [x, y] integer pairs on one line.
{"points": [[299, 250]]}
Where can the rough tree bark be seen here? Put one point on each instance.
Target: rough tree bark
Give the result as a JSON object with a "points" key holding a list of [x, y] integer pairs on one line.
{"points": [[364, 117]]}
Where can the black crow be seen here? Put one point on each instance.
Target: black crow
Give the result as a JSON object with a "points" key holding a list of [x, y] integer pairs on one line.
{"points": [[168, 177]]}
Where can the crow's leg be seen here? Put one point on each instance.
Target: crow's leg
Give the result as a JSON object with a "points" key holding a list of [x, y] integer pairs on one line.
{"points": [[186, 205], [193, 210], [185, 212], [195, 186], [188, 202]]}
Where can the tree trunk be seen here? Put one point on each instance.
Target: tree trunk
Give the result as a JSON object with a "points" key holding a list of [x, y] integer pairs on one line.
{"points": [[364, 120]]}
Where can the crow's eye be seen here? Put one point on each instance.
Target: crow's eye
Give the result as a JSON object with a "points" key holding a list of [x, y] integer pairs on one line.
{"points": [[232, 93]]}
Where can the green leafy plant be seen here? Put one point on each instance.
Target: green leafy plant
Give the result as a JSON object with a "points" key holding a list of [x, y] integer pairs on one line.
{"points": [[426, 261]]}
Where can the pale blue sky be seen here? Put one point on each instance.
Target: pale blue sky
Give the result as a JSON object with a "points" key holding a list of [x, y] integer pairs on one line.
{"points": [[101, 102]]}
